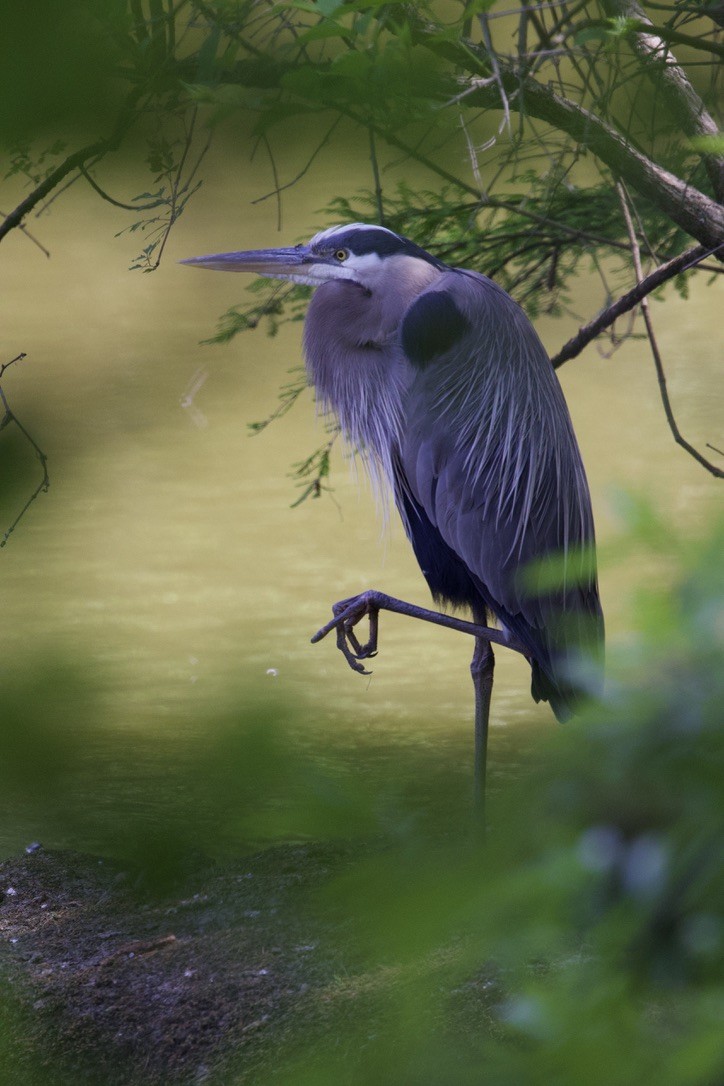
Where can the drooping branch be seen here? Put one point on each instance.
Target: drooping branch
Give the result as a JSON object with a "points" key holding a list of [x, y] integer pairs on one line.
{"points": [[656, 354], [71, 163], [685, 261], [9, 418]]}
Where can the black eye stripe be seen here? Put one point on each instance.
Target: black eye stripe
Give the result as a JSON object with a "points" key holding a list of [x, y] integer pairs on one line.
{"points": [[360, 242]]}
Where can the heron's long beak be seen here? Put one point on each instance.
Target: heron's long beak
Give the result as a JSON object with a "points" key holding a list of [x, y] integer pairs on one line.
{"points": [[298, 264]]}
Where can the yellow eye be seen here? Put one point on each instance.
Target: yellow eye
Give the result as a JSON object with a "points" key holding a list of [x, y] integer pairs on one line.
{"points": [[341, 254]]}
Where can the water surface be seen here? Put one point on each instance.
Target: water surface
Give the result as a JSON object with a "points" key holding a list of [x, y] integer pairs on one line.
{"points": [[166, 563]]}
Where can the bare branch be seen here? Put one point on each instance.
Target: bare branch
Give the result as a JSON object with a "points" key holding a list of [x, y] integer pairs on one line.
{"points": [[117, 203], [70, 164], [673, 426], [288, 184], [483, 20], [7, 365], [30, 237], [7, 419], [685, 205], [682, 263], [379, 200], [694, 212]]}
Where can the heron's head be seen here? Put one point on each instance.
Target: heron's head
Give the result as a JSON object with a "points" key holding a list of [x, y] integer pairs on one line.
{"points": [[370, 256]]}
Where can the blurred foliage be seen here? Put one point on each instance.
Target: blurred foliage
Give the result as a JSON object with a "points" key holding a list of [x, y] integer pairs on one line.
{"points": [[58, 69], [582, 942], [585, 942], [158, 803], [514, 195]]}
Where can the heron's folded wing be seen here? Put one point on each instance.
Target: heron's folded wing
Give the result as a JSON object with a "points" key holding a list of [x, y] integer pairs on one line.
{"points": [[488, 452]]}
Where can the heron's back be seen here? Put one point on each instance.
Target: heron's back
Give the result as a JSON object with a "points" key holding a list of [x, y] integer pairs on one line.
{"points": [[491, 484]]}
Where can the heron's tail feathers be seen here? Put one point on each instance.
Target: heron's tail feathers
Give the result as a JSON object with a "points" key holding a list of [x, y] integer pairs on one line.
{"points": [[565, 700], [569, 683]]}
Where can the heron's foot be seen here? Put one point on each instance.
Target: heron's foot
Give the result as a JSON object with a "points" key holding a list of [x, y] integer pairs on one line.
{"points": [[347, 614]]}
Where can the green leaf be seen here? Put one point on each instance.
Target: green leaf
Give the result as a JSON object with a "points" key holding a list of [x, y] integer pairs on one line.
{"points": [[328, 7], [323, 31], [708, 145]]}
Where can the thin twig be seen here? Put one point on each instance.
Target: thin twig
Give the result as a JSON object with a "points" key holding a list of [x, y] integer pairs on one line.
{"points": [[684, 262], [280, 188], [473, 158], [178, 190], [673, 426], [8, 418], [117, 203], [24, 230], [7, 365], [483, 20], [378, 183], [275, 175]]}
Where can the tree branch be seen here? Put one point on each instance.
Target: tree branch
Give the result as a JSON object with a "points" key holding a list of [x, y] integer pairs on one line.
{"points": [[686, 260], [7, 419], [673, 426], [71, 163], [694, 212]]}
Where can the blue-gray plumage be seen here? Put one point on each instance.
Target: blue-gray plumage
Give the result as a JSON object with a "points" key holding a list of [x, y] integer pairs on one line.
{"points": [[438, 378]]}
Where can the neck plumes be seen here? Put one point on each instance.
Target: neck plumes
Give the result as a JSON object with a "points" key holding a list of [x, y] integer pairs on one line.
{"points": [[354, 360]]}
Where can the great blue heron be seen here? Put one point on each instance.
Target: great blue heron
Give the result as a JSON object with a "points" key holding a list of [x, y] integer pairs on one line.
{"points": [[438, 377]]}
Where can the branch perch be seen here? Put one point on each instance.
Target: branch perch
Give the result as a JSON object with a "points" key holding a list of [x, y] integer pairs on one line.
{"points": [[673, 426], [684, 262]]}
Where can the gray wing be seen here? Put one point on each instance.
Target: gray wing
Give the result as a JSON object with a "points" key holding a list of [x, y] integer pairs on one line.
{"points": [[489, 454]]}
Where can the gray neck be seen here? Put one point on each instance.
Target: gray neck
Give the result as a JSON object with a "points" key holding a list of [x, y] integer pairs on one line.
{"points": [[351, 345]]}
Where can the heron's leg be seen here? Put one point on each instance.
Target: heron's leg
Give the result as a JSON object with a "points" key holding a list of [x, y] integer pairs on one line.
{"points": [[347, 613], [481, 669]]}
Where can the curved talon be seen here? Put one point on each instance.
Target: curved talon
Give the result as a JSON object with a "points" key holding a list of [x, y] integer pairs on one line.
{"points": [[347, 613], [360, 652], [349, 656]]}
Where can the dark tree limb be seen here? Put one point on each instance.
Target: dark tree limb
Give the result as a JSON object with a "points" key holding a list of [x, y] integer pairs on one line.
{"points": [[71, 163], [7, 419], [660, 374], [696, 213], [684, 262]]}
